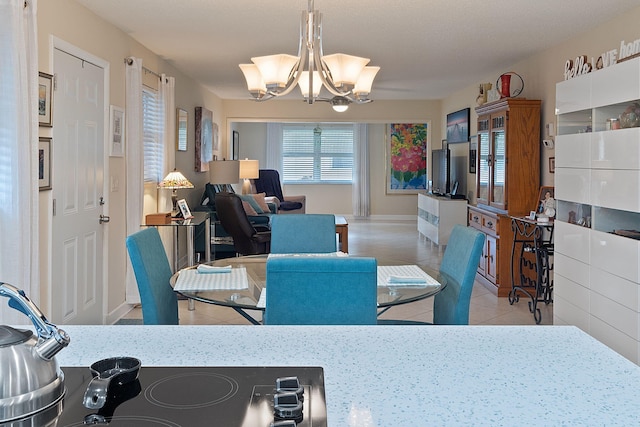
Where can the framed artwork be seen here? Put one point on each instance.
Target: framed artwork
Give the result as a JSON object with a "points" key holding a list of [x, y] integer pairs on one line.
{"points": [[182, 120], [116, 131], [473, 153], [407, 158], [546, 201], [235, 148], [44, 163], [204, 138], [552, 164], [184, 209], [458, 126], [45, 99]]}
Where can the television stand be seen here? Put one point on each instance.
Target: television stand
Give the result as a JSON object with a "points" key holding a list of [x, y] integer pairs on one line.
{"points": [[437, 216]]}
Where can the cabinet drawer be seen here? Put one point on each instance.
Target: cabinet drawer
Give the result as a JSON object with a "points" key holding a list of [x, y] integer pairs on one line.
{"points": [[490, 225], [475, 220]]}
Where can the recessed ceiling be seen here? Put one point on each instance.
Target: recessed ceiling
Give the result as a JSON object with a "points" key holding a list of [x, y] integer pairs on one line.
{"points": [[426, 49]]}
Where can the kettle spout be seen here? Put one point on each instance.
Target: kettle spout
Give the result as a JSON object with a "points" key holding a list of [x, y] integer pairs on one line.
{"points": [[50, 346]]}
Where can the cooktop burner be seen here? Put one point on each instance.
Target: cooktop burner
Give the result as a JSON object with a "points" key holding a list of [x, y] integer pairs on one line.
{"points": [[198, 396]]}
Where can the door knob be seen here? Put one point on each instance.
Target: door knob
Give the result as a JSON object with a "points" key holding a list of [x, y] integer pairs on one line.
{"points": [[104, 218]]}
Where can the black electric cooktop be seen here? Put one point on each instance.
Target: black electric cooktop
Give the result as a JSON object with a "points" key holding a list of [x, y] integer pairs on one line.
{"points": [[195, 396]]}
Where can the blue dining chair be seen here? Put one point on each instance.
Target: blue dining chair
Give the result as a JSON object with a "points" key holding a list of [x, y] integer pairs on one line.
{"points": [[321, 290], [459, 265], [303, 233], [152, 271]]}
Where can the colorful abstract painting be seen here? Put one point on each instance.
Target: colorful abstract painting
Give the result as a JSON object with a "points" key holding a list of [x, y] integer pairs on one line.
{"points": [[407, 158]]}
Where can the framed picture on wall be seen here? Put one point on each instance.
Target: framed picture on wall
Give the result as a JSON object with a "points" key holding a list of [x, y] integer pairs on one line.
{"points": [[458, 126], [204, 139], [116, 131], [407, 157], [473, 153], [45, 99], [44, 163], [235, 148]]}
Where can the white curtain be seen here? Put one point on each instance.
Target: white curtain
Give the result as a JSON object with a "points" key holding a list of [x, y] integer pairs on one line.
{"points": [[135, 162], [361, 183], [274, 147], [19, 261], [167, 101]]}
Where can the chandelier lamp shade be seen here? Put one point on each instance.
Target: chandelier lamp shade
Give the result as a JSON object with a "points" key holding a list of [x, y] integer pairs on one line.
{"points": [[345, 76]]}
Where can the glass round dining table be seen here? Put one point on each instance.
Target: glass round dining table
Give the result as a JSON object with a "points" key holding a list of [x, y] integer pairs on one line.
{"points": [[251, 299]]}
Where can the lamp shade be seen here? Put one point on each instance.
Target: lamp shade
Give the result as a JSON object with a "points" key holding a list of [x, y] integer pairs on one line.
{"points": [[224, 172], [175, 180], [252, 75], [275, 69], [303, 83], [249, 169], [365, 81], [345, 69]]}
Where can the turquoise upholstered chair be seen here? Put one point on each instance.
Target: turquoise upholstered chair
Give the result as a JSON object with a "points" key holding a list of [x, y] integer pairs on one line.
{"points": [[303, 233], [321, 290], [152, 270], [459, 265]]}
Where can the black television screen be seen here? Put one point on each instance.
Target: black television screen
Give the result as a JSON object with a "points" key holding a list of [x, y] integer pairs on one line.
{"points": [[440, 163]]}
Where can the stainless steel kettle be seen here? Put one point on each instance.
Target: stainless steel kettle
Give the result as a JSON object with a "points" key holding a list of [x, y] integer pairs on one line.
{"points": [[32, 381]]}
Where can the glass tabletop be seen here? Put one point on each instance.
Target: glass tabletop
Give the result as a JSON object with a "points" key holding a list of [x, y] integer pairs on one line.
{"points": [[255, 265]]}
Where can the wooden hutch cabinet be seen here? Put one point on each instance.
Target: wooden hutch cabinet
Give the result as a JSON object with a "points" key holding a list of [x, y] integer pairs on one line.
{"points": [[507, 181]]}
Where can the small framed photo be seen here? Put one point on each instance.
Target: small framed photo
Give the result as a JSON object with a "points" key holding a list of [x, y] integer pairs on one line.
{"points": [[44, 163], [552, 164], [546, 200], [184, 209], [116, 131], [45, 99], [532, 215]]}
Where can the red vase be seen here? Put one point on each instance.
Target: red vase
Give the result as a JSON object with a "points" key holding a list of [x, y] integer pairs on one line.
{"points": [[505, 85]]}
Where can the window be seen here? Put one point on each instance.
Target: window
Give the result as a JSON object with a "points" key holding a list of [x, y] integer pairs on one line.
{"points": [[152, 129], [317, 154]]}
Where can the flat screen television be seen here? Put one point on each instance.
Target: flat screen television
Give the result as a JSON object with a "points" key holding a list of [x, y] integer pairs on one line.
{"points": [[440, 164]]}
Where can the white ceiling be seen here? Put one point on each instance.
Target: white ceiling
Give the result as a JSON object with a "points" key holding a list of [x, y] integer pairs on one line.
{"points": [[427, 49]]}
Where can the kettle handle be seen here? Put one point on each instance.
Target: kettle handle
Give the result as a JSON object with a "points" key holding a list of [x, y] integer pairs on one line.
{"points": [[54, 339]]}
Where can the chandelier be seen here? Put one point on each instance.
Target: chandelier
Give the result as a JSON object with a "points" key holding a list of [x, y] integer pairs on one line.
{"points": [[346, 77]]}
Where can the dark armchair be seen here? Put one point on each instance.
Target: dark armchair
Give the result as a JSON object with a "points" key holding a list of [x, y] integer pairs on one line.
{"points": [[268, 182], [247, 239]]}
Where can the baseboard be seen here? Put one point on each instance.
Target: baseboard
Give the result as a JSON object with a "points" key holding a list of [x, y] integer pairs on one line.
{"points": [[120, 311]]}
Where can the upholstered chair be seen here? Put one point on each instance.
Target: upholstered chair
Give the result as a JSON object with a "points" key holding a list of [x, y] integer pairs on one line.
{"points": [[459, 265], [303, 233], [268, 182], [321, 290], [152, 271], [233, 218]]}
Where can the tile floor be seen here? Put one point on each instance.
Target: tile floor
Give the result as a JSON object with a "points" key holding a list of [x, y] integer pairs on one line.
{"points": [[393, 242]]}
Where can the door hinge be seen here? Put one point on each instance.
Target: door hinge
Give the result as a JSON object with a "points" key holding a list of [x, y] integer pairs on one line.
{"points": [[54, 207], [55, 82]]}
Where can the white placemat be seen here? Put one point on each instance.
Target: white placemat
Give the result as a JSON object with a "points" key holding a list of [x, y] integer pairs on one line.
{"points": [[191, 280], [262, 302], [392, 275]]}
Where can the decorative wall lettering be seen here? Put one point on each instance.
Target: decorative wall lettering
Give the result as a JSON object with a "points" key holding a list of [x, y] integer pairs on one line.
{"points": [[581, 65], [577, 68]]}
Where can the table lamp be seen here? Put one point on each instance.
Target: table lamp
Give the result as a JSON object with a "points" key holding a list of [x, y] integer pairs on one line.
{"points": [[174, 181], [224, 172], [248, 170]]}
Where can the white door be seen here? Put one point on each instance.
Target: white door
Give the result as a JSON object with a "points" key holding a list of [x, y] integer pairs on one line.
{"points": [[77, 184]]}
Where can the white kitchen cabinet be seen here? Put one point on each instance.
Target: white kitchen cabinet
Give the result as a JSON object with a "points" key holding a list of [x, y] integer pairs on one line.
{"points": [[597, 187], [438, 215]]}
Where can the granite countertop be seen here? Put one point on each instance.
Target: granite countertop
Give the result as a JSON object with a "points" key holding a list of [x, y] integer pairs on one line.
{"points": [[406, 375]]}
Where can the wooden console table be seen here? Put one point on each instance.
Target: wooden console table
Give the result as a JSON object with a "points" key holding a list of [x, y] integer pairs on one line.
{"points": [[342, 229]]}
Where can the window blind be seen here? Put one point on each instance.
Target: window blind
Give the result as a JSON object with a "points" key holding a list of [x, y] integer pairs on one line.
{"points": [[152, 128], [317, 154]]}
